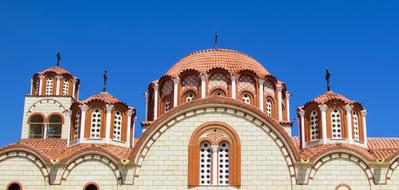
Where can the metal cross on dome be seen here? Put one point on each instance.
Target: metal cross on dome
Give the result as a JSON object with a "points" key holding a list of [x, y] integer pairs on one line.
{"points": [[328, 75], [105, 80], [58, 58]]}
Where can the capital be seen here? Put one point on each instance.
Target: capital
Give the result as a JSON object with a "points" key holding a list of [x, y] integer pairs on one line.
{"points": [[146, 94], [155, 85], [301, 112], [175, 80], [58, 77], [279, 87], [130, 113], [348, 108], [233, 77], [204, 76], [323, 108], [41, 77], [261, 81], [75, 81], [214, 148], [84, 107], [364, 113], [109, 107]]}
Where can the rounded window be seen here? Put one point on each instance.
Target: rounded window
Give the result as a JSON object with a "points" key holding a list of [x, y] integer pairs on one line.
{"points": [[54, 127], [91, 186], [167, 105], [14, 186], [219, 93], [36, 127], [190, 97], [246, 98]]}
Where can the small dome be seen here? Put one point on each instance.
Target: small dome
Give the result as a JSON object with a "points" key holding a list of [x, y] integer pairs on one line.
{"points": [[57, 70], [205, 60], [104, 97], [330, 96]]}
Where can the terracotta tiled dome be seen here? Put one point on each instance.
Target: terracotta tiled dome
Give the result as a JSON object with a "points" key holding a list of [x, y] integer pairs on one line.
{"points": [[104, 97], [330, 96], [205, 60], [57, 70]]}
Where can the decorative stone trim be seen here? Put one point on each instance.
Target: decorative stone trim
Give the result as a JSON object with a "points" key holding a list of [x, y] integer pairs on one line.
{"points": [[46, 101]]}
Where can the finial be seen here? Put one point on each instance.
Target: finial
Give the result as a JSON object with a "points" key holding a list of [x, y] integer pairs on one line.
{"points": [[328, 75], [105, 81], [58, 58], [216, 40]]}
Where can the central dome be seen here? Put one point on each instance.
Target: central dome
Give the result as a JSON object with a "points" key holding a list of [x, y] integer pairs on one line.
{"points": [[205, 60]]}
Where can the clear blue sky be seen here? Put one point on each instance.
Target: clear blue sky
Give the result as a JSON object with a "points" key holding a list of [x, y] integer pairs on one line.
{"points": [[139, 41]]}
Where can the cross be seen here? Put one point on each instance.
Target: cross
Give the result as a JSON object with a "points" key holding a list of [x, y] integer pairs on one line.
{"points": [[58, 58], [328, 75], [216, 40], [105, 80]]}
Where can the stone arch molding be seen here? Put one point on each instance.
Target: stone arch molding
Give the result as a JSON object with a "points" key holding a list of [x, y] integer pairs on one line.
{"points": [[321, 160], [91, 156], [31, 156], [43, 101], [392, 168], [267, 124]]}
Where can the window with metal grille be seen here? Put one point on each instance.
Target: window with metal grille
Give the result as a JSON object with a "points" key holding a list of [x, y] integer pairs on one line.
{"points": [[224, 150], [269, 109], [205, 163], [95, 123], [190, 97], [246, 99], [336, 125], [117, 125], [49, 87], [356, 126], [65, 88], [314, 125], [167, 105], [77, 126]]}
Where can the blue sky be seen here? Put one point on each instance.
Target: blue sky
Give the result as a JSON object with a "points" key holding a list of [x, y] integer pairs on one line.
{"points": [[139, 41]]}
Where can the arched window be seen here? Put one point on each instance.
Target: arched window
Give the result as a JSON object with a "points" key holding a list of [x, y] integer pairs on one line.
{"points": [[219, 93], [246, 98], [167, 105], [54, 127], [95, 123], [49, 87], [117, 125], [190, 96], [314, 125], [269, 107], [214, 154], [76, 128], [65, 88], [356, 126], [336, 125], [14, 186], [343, 187], [91, 186], [36, 126]]}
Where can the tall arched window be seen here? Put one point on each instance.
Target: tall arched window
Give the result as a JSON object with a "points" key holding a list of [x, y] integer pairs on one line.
{"points": [[336, 125], [95, 123], [14, 186], [269, 107], [36, 126], [65, 88], [54, 127], [314, 125], [76, 128], [215, 148], [117, 125], [356, 126], [49, 87]]}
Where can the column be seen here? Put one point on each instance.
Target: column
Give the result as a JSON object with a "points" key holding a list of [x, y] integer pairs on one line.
{"points": [[134, 129], [41, 77], [261, 82], [215, 149], [287, 99], [45, 131], [31, 86], [146, 105], [364, 114], [129, 123], [155, 101], [302, 127], [175, 91], [68, 121], [83, 109], [233, 86], [323, 110], [203, 85], [279, 102], [74, 89], [348, 109], [108, 119], [58, 78]]}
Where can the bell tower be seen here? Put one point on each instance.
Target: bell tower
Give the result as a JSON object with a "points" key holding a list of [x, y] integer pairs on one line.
{"points": [[46, 108]]}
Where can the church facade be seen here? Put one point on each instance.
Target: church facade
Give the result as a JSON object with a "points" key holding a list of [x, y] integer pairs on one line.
{"points": [[216, 120]]}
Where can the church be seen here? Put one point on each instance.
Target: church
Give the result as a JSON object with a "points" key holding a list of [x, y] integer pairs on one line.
{"points": [[217, 119]]}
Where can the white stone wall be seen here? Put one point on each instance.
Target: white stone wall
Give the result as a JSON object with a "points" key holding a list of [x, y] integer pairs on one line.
{"points": [[91, 171], [262, 166], [47, 106], [339, 171], [22, 170]]}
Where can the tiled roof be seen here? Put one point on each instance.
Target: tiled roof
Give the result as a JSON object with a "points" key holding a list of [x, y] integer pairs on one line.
{"points": [[205, 60], [330, 96], [103, 96], [56, 69]]}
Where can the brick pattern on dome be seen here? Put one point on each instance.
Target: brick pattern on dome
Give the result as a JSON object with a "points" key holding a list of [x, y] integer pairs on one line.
{"points": [[103, 96], [331, 96], [57, 70], [205, 60], [246, 82]]}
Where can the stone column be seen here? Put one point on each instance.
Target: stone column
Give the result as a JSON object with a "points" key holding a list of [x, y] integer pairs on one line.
{"points": [[45, 131], [68, 121], [214, 150], [57, 89], [155, 101], [203, 85], [41, 77], [261, 82], [233, 86], [146, 105], [302, 127], [129, 123], [108, 119], [364, 114], [83, 109], [31, 86], [175, 91], [348, 109], [74, 89], [323, 110], [279, 102], [287, 99]]}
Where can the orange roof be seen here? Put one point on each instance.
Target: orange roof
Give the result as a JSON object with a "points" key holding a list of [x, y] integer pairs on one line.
{"points": [[104, 97], [205, 60], [57, 70], [329, 96]]}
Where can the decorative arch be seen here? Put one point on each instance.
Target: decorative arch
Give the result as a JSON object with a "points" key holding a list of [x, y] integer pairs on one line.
{"points": [[56, 114], [215, 133], [333, 155], [35, 114], [394, 165], [63, 109]]}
